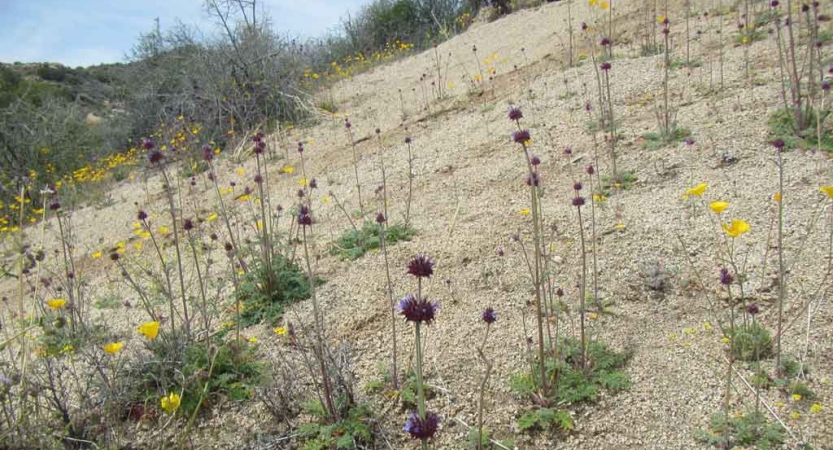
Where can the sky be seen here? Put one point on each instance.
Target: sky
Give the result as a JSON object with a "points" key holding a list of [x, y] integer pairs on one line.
{"points": [[88, 32]]}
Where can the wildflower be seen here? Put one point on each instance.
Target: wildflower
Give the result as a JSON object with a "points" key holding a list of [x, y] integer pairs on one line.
{"points": [[380, 218], [155, 156], [163, 230], [96, 254], [188, 225], [719, 206], [418, 311], [56, 303], [778, 144], [568, 150], [421, 266], [535, 160], [422, 429], [148, 144], [252, 340], [593, 316], [753, 309], [605, 66], [827, 190], [149, 329], [258, 179], [698, 190], [241, 171], [407, 139], [515, 113], [142, 215], [577, 186], [777, 197], [795, 415], [300, 147], [605, 41], [816, 408], [590, 170], [578, 202], [521, 136], [304, 217], [207, 153], [726, 277], [211, 217], [170, 402], [113, 347], [54, 206], [280, 331], [532, 179], [736, 228], [489, 316]]}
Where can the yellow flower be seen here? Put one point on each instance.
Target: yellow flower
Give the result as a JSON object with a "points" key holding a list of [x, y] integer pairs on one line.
{"points": [[149, 329], [604, 5], [827, 190], [259, 224], [526, 212], [56, 303], [816, 408], [777, 197], [795, 415], [138, 245], [163, 230], [287, 169], [796, 397], [725, 340], [599, 198], [241, 171], [252, 340], [96, 254], [719, 207], [707, 326], [592, 316], [212, 217], [227, 324], [302, 181], [736, 228], [170, 402], [280, 331], [593, 2], [113, 347], [660, 19], [698, 190], [325, 200]]}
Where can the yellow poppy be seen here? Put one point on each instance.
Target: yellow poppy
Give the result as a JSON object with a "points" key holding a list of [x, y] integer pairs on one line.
{"points": [[56, 303], [827, 190], [718, 207], [526, 212], [96, 254], [149, 329], [170, 402], [698, 190], [604, 5], [777, 197], [211, 217], [113, 347], [241, 171], [736, 228], [280, 331]]}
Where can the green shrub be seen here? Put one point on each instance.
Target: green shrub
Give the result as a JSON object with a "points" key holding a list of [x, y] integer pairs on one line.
{"points": [[782, 126], [353, 244], [544, 419], [353, 431], [261, 304], [752, 429], [750, 342]]}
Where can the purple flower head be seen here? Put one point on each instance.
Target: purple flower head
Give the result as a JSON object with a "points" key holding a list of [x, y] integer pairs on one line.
{"points": [[587, 107], [778, 144], [407, 139], [214, 236], [148, 144], [532, 180], [304, 217], [489, 316], [233, 184], [380, 218], [258, 179], [605, 41], [500, 251], [521, 136], [142, 215], [665, 30], [578, 202], [313, 184], [114, 256], [257, 137], [515, 113], [590, 170], [300, 147], [568, 150], [753, 309], [577, 186], [774, 4], [805, 7], [347, 124], [726, 278], [155, 156], [301, 193], [188, 225], [421, 266], [605, 66], [260, 147], [418, 311], [228, 247], [559, 292], [584, 26], [55, 205], [207, 152], [689, 141], [535, 160], [378, 131], [422, 429], [825, 85]]}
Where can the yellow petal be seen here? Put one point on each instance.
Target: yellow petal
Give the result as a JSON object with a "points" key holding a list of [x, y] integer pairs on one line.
{"points": [[827, 190], [96, 254], [718, 207], [149, 329], [525, 212], [736, 228], [698, 190], [113, 347], [56, 303]]}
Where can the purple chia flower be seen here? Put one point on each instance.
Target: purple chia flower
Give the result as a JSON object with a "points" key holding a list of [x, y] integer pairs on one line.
{"points": [[304, 216], [500, 251], [521, 136], [347, 124], [148, 144], [300, 147], [590, 170], [233, 184], [689, 141], [515, 113], [260, 147], [142, 215], [605, 41], [825, 85], [422, 429], [228, 247], [605, 66], [805, 7], [568, 150], [774, 3], [418, 310], [577, 186], [114, 256], [421, 266], [55, 205], [489, 316], [313, 184], [380, 218], [559, 292], [301, 193], [726, 277], [214, 236], [778, 144], [753, 309], [257, 137], [584, 26], [207, 152], [535, 160], [258, 179], [587, 107], [188, 225], [532, 179], [407, 139], [378, 131], [155, 156], [578, 202]]}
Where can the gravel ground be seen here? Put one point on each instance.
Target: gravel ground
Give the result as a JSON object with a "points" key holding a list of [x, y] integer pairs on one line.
{"points": [[467, 200]]}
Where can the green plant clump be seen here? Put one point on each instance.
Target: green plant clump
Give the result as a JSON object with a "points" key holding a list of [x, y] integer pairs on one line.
{"points": [[752, 430], [290, 285], [782, 126], [351, 432], [751, 342], [353, 244]]}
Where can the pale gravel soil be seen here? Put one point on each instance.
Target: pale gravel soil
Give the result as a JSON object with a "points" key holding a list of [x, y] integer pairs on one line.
{"points": [[468, 194]]}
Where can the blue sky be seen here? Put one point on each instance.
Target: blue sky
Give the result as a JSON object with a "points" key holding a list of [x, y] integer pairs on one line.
{"points": [[86, 32]]}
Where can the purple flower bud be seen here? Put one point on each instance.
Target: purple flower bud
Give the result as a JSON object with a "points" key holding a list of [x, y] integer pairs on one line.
{"points": [[304, 217], [605, 41], [347, 124], [313, 184], [532, 180], [155, 156], [148, 144], [605, 66], [489, 316], [568, 150], [207, 152], [142, 215], [535, 160], [407, 139], [258, 179], [578, 202], [590, 170], [778, 144], [55, 205], [577, 186], [300, 147], [515, 113], [726, 278], [421, 266], [521, 136], [559, 292], [378, 131], [584, 26], [188, 225], [753, 309]]}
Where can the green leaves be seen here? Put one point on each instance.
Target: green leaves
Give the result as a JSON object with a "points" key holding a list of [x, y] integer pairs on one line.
{"points": [[354, 244], [544, 419]]}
